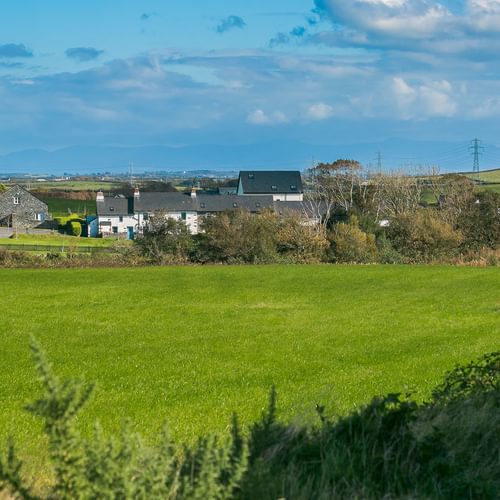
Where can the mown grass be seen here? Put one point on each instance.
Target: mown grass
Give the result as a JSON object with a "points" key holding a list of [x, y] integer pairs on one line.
{"points": [[189, 345], [58, 240]]}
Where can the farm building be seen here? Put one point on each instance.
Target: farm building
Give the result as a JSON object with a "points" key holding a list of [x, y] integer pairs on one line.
{"points": [[126, 217], [20, 209]]}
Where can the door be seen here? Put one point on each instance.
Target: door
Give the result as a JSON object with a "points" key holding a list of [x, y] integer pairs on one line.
{"points": [[130, 233]]}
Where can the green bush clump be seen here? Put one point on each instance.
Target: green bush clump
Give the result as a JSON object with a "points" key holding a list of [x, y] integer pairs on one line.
{"points": [[74, 228], [393, 447]]}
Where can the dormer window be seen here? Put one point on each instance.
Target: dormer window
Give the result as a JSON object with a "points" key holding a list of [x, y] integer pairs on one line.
{"points": [[274, 188], [251, 176], [293, 187], [202, 205], [111, 209], [235, 205], [257, 205], [16, 200]]}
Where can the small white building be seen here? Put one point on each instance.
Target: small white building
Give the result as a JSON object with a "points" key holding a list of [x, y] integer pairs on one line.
{"points": [[115, 217]]}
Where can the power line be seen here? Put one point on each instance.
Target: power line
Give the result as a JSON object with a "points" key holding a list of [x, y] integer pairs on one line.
{"points": [[476, 150]]}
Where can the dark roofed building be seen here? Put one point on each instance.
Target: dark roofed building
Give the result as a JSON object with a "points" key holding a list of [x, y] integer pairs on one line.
{"points": [[280, 191], [282, 185]]}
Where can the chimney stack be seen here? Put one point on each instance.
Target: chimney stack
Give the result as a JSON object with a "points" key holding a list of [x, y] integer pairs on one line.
{"points": [[99, 197], [137, 193], [193, 192]]}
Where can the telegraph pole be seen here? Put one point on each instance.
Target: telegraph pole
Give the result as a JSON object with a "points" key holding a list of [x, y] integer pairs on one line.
{"points": [[476, 150]]}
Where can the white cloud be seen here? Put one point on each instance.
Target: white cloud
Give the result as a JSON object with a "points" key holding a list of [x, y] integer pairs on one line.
{"points": [[425, 100], [259, 117], [319, 111]]}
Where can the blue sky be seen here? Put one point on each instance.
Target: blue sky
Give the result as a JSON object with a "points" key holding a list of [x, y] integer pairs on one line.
{"points": [[127, 72]]}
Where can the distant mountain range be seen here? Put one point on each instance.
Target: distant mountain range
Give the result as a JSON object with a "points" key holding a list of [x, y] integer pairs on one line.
{"points": [[394, 154]]}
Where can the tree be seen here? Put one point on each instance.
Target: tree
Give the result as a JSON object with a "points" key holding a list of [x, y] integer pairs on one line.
{"points": [[165, 239], [396, 194], [338, 181], [423, 236], [3, 188], [239, 236], [480, 222], [454, 194]]}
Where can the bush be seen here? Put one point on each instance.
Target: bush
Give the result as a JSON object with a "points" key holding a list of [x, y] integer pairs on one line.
{"points": [[73, 228], [480, 224], [423, 237], [165, 240], [350, 244], [299, 242], [238, 236]]}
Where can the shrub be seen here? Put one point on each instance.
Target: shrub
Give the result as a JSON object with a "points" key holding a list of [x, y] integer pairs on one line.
{"points": [[239, 236], [165, 240], [423, 237], [73, 228], [351, 244], [480, 224], [299, 242]]}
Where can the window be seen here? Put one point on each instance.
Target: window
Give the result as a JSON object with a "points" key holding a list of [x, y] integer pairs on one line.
{"points": [[257, 205], [274, 188], [16, 200], [202, 205], [293, 187], [120, 218], [251, 176], [235, 205], [115, 229], [39, 216], [111, 209], [146, 217], [183, 215]]}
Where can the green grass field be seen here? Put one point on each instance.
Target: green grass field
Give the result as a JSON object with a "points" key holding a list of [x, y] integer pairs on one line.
{"points": [[60, 207], [72, 185], [487, 176], [59, 240], [190, 345]]}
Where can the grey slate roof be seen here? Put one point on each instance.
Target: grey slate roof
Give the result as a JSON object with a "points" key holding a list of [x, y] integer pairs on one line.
{"points": [[202, 204], [270, 181], [114, 206], [179, 202]]}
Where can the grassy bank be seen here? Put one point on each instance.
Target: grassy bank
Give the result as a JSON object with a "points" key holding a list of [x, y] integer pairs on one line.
{"points": [[191, 344]]}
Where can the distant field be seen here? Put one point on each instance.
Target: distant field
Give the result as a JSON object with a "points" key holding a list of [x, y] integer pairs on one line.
{"points": [[59, 240], [75, 185], [62, 207], [192, 344], [487, 176]]}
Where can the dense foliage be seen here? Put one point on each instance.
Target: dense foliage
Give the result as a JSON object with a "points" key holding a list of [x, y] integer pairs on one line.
{"points": [[392, 448]]}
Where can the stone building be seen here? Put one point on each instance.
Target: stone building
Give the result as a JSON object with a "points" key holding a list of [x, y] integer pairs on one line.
{"points": [[20, 209]]}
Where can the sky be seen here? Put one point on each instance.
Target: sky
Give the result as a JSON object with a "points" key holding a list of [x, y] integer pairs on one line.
{"points": [[177, 73]]}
